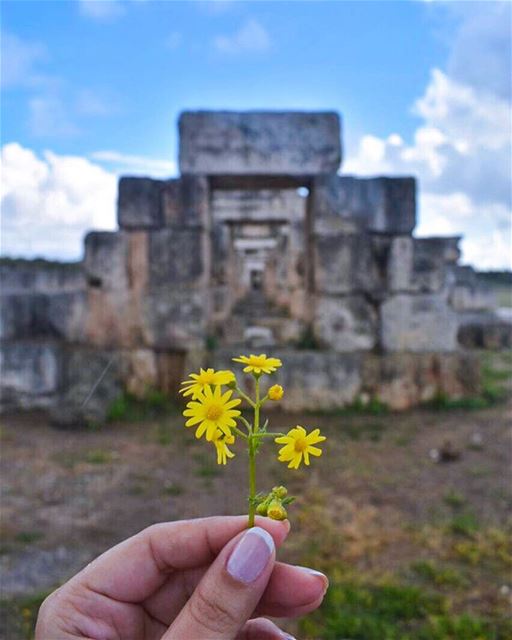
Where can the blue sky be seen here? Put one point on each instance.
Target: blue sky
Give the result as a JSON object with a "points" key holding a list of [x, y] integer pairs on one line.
{"points": [[92, 89]]}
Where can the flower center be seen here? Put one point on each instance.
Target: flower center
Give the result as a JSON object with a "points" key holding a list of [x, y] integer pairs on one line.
{"points": [[258, 361], [301, 444], [214, 412], [207, 378]]}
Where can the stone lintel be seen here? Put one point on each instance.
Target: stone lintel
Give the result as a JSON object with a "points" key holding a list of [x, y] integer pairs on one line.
{"points": [[259, 142]]}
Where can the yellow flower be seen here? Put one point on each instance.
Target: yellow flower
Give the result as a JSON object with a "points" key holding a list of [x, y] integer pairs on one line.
{"points": [[205, 377], [299, 443], [259, 364], [220, 440], [212, 410], [275, 392]]}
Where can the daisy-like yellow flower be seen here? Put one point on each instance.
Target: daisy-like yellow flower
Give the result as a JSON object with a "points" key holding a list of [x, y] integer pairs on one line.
{"points": [[198, 381], [298, 444], [275, 392], [259, 364], [221, 441], [212, 410]]}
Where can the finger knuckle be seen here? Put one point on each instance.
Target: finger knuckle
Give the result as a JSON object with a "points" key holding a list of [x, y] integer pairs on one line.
{"points": [[208, 611]]}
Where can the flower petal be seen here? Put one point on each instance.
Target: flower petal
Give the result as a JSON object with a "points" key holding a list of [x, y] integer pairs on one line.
{"points": [[314, 451]]}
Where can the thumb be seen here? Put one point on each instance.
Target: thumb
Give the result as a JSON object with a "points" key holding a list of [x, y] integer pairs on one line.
{"points": [[229, 591]]}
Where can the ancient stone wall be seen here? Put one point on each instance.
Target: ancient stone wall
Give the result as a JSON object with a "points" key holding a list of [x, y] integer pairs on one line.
{"points": [[259, 244]]}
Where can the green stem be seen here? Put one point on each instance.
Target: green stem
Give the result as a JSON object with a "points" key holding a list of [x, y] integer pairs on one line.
{"points": [[257, 405], [238, 432], [248, 426], [267, 434], [244, 396], [252, 483], [252, 454]]}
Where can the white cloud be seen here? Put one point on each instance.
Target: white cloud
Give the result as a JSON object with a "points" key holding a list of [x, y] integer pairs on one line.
{"points": [[251, 37], [103, 10], [470, 118], [136, 165], [481, 54], [489, 251], [49, 202], [487, 234], [19, 60], [461, 152]]}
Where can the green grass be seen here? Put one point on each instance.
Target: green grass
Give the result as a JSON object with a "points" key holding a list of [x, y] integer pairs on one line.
{"points": [[98, 456], [463, 524], [442, 402], [394, 612], [128, 408], [69, 459], [20, 614], [28, 537], [173, 489], [370, 612], [495, 372], [440, 576], [454, 499]]}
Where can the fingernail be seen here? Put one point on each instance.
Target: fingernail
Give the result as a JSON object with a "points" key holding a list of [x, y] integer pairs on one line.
{"points": [[318, 574], [251, 555]]}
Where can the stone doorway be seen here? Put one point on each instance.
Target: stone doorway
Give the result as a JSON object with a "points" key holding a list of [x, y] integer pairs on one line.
{"points": [[259, 254]]}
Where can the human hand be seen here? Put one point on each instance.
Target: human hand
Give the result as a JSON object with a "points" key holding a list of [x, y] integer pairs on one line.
{"points": [[203, 579]]}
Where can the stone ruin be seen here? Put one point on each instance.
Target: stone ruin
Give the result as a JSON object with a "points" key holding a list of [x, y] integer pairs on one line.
{"points": [[259, 245]]}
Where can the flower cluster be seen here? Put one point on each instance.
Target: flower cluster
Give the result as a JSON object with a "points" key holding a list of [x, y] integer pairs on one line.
{"points": [[214, 411]]}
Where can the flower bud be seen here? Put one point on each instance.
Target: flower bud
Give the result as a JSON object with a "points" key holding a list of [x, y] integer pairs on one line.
{"points": [[276, 511], [275, 392], [261, 509], [280, 492]]}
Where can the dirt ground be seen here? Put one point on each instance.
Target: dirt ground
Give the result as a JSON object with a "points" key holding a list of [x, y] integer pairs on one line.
{"points": [[377, 505]]}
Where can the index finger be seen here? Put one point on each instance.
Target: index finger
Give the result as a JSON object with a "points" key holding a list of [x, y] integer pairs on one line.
{"points": [[137, 567]]}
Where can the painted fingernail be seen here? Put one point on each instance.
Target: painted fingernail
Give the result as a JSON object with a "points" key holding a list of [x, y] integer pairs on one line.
{"points": [[251, 555]]}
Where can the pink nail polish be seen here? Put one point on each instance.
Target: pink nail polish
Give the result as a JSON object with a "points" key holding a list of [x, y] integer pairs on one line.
{"points": [[251, 555]]}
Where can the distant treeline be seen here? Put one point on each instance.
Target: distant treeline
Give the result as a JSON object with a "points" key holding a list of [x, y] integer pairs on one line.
{"points": [[500, 278], [37, 262]]}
